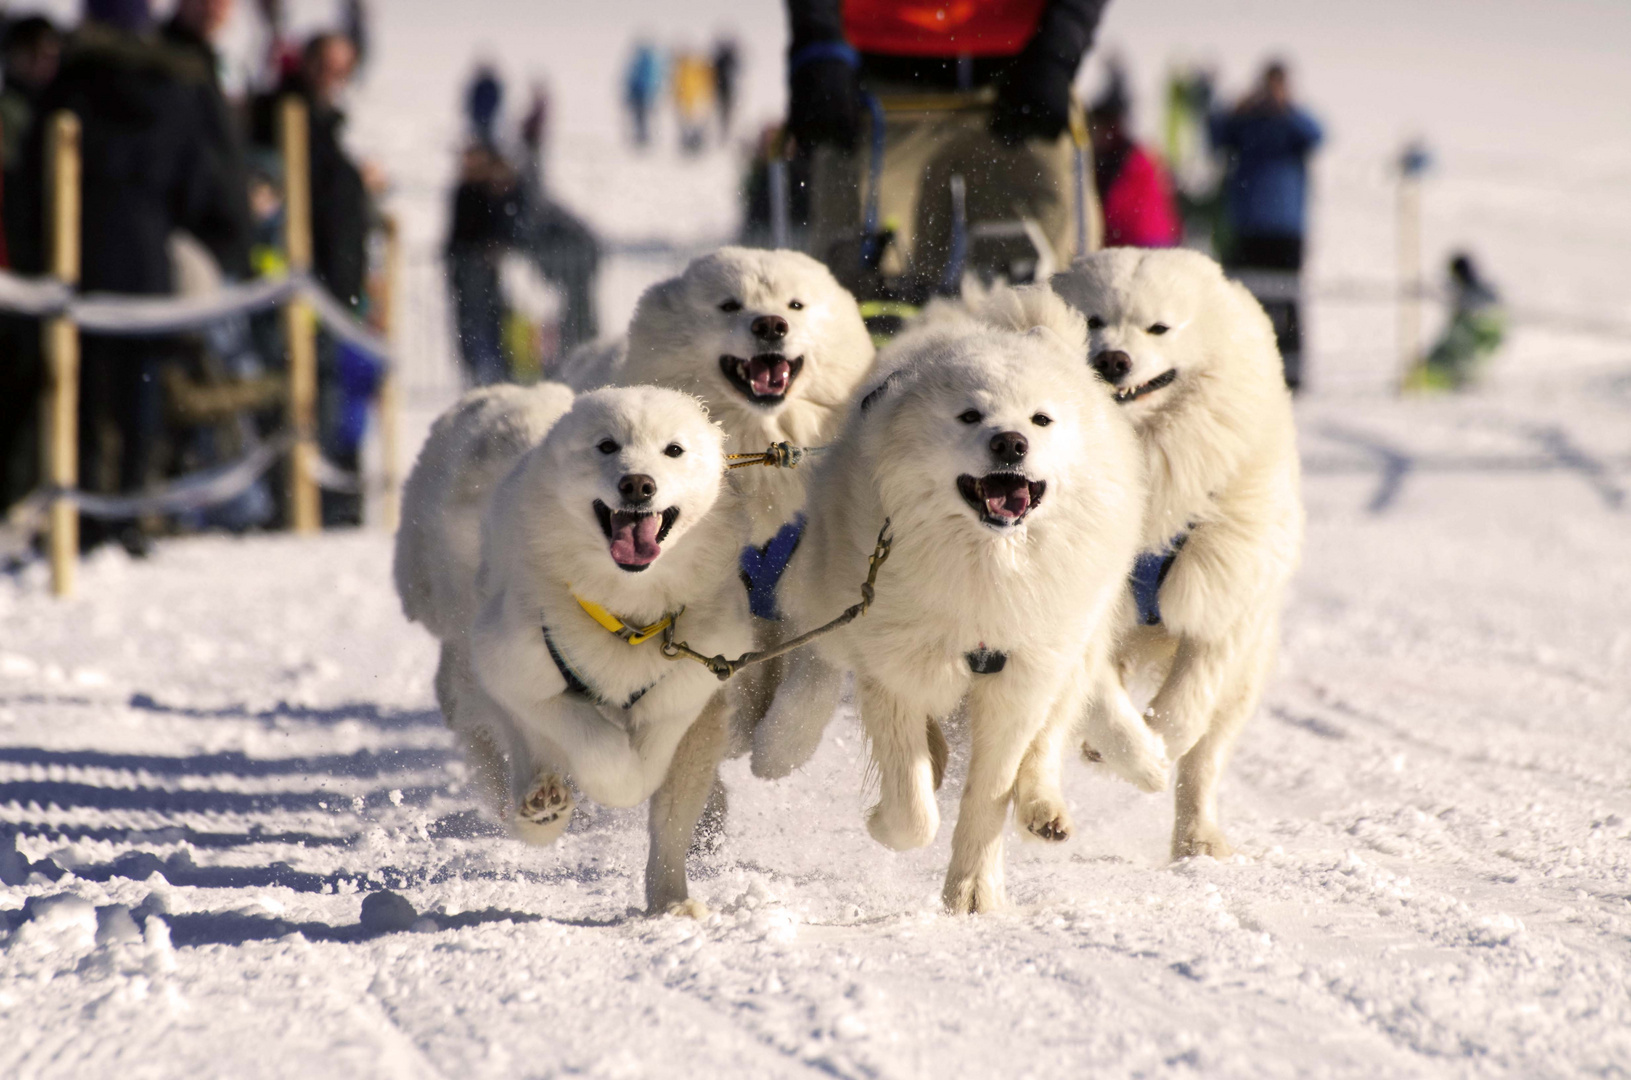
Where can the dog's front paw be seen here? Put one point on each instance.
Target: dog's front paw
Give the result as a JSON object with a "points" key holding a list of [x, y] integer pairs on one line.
{"points": [[1141, 761], [548, 800], [901, 826], [1201, 840], [1045, 820]]}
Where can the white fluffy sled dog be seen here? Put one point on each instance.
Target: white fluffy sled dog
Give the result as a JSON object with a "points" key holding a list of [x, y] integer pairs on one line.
{"points": [[1193, 363], [769, 341], [1013, 490], [594, 537]]}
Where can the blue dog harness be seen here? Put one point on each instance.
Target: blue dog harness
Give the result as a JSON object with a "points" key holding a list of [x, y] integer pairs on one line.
{"points": [[763, 567], [1149, 571]]}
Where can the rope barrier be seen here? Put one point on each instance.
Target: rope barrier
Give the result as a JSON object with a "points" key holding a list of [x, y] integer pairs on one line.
{"points": [[194, 491], [131, 316]]}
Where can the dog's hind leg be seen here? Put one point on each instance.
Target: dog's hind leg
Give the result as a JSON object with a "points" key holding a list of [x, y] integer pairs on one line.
{"points": [[677, 806], [805, 702], [1195, 828], [1006, 712], [906, 815]]}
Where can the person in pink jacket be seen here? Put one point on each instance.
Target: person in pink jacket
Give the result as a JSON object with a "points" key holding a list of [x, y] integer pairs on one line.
{"points": [[1134, 189]]}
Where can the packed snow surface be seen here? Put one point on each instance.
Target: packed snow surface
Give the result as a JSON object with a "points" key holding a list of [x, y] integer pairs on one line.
{"points": [[236, 839]]}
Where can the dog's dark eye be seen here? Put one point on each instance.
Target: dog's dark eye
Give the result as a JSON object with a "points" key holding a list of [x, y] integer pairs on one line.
{"points": [[1041, 419], [1159, 328], [607, 446], [970, 416], [1095, 323], [674, 449], [731, 307], [795, 305]]}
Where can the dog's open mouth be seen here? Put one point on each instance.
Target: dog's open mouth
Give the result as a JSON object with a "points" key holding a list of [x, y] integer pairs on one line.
{"points": [[635, 537], [1132, 393], [1001, 498], [763, 379]]}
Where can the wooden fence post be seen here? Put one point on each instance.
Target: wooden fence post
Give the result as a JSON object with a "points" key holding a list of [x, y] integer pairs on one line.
{"points": [[389, 405], [62, 348], [304, 506]]}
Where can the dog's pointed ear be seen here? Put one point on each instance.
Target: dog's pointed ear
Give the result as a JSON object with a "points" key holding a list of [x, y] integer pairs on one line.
{"points": [[876, 394], [666, 296], [1051, 337]]}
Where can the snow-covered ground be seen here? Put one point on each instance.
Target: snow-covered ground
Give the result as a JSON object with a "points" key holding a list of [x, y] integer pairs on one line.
{"points": [[210, 760]]}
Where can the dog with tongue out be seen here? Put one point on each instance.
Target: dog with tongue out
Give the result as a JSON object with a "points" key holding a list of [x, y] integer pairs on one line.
{"points": [[1014, 489], [592, 545]]}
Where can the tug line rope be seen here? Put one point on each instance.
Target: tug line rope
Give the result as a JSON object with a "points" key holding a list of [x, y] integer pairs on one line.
{"points": [[723, 669]]}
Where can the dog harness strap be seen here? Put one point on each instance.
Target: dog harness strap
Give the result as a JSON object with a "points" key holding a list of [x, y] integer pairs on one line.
{"points": [[576, 685], [620, 628], [1149, 572], [762, 568]]}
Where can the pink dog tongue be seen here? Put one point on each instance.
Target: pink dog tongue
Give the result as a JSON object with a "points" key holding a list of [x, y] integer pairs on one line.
{"points": [[634, 539], [1010, 500], [768, 375]]}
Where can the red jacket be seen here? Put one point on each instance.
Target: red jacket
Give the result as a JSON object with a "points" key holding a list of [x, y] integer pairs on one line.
{"points": [[1138, 206], [941, 27]]}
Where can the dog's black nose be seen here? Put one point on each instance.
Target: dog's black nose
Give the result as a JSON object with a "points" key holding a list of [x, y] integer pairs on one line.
{"points": [[637, 488], [769, 327], [1113, 364], [1009, 447]]}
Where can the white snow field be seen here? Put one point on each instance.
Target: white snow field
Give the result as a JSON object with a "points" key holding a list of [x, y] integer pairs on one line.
{"points": [[212, 759]]}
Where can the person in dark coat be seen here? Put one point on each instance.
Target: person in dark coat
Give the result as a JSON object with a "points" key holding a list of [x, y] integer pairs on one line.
{"points": [[30, 51], [342, 215], [341, 209], [144, 153], [487, 207], [1268, 140], [727, 63], [228, 230]]}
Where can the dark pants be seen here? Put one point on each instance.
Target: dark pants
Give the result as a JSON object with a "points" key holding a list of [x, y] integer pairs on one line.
{"points": [[120, 412], [1277, 253]]}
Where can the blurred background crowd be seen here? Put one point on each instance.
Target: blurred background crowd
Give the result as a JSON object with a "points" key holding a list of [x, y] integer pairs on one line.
{"points": [[183, 194]]}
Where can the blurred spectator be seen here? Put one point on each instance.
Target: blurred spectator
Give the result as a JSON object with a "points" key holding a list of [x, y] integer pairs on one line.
{"points": [[227, 229], [1475, 331], [342, 216], [341, 207], [562, 245], [1134, 190], [641, 84], [482, 102], [30, 51], [727, 63], [693, 99], [1268, 140], [145, 162], [486, 221]]}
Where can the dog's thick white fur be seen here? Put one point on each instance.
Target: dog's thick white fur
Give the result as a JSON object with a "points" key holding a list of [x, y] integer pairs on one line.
{"points": [[618, 504], [1220, 448], [769, 341], [995, 552]]}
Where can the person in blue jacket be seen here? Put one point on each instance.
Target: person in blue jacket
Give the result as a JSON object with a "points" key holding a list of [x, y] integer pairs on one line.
{"points": [[1267, 140]]}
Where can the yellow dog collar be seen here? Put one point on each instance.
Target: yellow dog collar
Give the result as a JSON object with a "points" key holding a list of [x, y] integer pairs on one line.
{"points": [[620, 628]]}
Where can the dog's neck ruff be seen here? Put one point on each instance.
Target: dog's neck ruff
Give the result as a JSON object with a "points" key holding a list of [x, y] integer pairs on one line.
{"points": [[576, 684]]}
